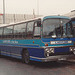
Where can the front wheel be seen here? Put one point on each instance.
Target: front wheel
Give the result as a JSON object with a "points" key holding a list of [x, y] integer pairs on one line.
{"points": [[25, 56]]}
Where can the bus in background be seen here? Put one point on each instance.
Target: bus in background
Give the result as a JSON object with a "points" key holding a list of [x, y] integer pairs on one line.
{"points": [[49, 38], [73, 24]]}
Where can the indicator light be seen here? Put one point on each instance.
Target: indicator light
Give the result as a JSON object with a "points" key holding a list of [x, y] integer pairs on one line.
{"points": [[33, 41], [46, 44]]}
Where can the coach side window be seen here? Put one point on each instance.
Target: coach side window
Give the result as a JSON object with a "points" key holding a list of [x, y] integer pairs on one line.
{"points": [[19, 30], [30, 30], [8, 32]]}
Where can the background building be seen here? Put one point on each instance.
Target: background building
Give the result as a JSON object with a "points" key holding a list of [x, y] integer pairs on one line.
{"points": [[70, 14], [11, 18]]}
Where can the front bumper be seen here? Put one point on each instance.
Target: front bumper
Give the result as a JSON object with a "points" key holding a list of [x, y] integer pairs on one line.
{"points": [[58, 57]]}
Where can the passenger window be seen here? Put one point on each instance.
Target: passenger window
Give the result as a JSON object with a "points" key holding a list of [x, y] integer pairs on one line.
{"points": [[20, 30], [8, 32], [30, 29]]}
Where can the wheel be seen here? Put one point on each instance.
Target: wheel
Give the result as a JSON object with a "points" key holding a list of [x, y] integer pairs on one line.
{"points": [[25, 57]]}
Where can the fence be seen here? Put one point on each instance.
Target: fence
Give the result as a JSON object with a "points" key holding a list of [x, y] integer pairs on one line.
{"points": [[10, 18]]}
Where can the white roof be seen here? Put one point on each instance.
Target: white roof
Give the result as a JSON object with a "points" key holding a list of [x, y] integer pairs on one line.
{"points": [[1, 25]]}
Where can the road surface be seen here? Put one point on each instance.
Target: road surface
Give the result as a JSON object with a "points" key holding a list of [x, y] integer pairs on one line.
{"points": [[11, 66]]}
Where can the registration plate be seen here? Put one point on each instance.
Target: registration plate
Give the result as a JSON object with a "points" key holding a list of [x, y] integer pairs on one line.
{"points": [[62, 59]]}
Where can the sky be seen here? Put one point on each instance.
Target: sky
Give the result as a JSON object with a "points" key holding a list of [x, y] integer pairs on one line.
{"points": [[41, 7]]}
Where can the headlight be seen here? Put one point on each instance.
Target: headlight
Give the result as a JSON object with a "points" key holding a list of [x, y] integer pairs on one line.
{"points": [[49, 51], [72, 49], [74, 52]]}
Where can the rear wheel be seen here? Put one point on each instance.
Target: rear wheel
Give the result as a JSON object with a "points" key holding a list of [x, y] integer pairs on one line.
{"points": [[25, 56]]}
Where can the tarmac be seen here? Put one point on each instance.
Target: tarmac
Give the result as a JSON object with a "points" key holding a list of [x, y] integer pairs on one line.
{"points": [[12, 66]]}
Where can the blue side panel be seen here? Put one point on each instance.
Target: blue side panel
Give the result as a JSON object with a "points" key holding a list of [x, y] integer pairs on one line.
{"points": [[11, 51], [7, 54], [5, 50], [36, 52], [16, 50], [3, 53]]}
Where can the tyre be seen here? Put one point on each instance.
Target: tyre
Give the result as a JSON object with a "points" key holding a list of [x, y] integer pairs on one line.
{"points": [[25, 56]]}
